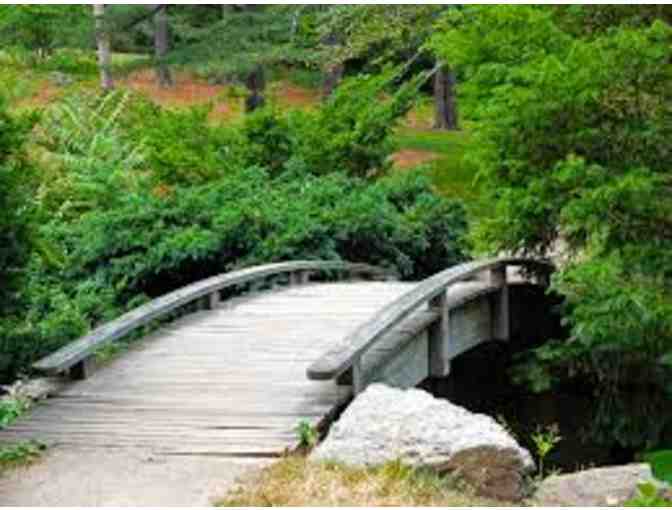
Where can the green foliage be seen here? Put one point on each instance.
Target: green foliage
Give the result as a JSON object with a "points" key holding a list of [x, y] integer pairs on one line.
{"points": [[15, 206], [306, 434], [545, 440], [19, 454], [89, 158], [182, 147], [574, 153], [42, 28], [648, 494], [661, 464], [350, 132], [11, 409]]}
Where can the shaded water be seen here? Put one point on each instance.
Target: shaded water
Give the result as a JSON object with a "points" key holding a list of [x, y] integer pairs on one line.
{"points": [[596, 429]]}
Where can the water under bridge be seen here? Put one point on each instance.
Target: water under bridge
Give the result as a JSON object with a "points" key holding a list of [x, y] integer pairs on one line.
{"points": [[229, 365]]}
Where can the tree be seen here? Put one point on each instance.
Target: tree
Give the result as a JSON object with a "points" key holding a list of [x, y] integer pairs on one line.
{"points": [[103, 47], [445, 101], [384, 34], [161, 37], [574, 147], [40, 29]]}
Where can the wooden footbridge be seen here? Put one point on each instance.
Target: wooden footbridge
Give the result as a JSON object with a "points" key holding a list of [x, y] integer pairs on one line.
{"points": [[232, 363]]}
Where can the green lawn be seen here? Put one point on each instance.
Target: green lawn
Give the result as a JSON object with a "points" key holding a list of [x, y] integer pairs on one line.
{"points": [[449, 172]]}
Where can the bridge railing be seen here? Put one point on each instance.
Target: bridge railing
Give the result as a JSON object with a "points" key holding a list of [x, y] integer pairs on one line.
{"points": [[76, 357], [346, 356]]}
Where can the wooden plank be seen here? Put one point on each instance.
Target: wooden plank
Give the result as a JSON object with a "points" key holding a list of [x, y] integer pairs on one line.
{"points": [[79, 350], [342, 354], [230, 381]]}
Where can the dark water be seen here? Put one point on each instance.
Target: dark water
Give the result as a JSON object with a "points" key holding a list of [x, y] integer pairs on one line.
{"points": [[596, 429]]}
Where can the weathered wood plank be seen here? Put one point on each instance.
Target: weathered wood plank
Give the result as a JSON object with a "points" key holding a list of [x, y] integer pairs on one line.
{"points": [[80, 350], [344, 353], [229, 381]]}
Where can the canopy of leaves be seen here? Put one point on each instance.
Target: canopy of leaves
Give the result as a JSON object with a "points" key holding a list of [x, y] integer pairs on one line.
{"points": [[575, 150]]}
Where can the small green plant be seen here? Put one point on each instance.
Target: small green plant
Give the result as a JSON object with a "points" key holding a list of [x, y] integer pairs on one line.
{"points": [[545, 439], [20, 453], [11, 408], [648, 495], [307, 434], [661, 464]]}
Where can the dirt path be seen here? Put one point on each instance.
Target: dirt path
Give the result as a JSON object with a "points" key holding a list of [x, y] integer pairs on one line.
{"points": [[75, 477]]}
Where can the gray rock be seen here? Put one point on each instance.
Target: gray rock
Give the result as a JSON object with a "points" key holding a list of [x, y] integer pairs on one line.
{"points": [[384, 424], [593, 487], [34, 389]]}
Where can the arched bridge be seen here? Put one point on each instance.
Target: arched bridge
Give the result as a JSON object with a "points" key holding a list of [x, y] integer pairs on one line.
{"points": [[237, 360]]}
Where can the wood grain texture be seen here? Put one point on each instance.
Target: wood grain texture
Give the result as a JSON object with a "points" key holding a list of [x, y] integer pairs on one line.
{"points": [[341, 356], [229, 381], [208, 289]]}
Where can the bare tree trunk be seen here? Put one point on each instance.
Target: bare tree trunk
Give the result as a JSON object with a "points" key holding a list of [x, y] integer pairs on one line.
{"points": [[103, 44], [332, 77], [333, 73], [445, 100], [161, 46], [255, 83]]}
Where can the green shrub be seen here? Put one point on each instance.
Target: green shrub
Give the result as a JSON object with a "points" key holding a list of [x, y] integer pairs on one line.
{"points": [[575, 156], [350, 132], [661, 464], [15, 205], [147, 245], [183, 148]]}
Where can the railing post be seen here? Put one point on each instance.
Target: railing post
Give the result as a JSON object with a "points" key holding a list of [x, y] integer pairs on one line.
{"points": [[213, 300], [82, 369], [438, 336], [501, 328], [357, 377]]}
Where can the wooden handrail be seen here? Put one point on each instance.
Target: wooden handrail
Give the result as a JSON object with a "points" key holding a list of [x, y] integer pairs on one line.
{"points": [[76, 352], [347, 353]]}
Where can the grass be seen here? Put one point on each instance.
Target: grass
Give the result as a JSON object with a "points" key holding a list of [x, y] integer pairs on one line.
{"points": [[451, 176], [20, 454], [294, 481]]}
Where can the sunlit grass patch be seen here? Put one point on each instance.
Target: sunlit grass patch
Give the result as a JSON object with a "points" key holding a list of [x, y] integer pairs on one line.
{"points": [[295, 481], [445, 162]]}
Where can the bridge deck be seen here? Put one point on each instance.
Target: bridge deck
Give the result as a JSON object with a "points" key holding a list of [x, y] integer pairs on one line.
{"points": [[227, 382]]}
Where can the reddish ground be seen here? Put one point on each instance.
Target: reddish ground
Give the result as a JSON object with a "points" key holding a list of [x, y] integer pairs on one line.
{"points": [[45, 93], [187, 91], [294, 96], [408, 158]]}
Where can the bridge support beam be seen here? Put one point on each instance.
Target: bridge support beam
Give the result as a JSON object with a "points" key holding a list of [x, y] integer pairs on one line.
{"points": [[82, 369], [439, 338], [501, 320], [299, 278], [213, 300]]}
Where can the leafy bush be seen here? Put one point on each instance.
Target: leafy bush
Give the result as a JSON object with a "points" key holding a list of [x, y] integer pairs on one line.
{"points": [[648, 495], [661, 464], [89, 161], [183, 148], [575, 154], [350, 132], [15, 207]]}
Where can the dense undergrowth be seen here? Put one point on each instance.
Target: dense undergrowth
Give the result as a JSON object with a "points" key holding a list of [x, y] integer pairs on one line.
{"points": [[131, 200]]}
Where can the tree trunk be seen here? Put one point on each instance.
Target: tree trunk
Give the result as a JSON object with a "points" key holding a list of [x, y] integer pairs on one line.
{"points": [[445, 100], [103, 45], [332, 77], [255, 84], [161, 46]]}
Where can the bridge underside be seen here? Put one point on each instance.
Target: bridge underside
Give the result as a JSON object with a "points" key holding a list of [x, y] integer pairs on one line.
{"points": [[227, 382]]}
